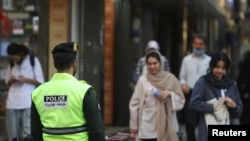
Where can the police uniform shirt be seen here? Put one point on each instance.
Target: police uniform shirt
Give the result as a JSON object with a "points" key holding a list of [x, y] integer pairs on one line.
{"points": [[91, 112]]}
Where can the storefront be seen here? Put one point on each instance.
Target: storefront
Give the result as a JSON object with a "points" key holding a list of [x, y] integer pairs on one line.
{"points": [[112, 37], [20, 24]]}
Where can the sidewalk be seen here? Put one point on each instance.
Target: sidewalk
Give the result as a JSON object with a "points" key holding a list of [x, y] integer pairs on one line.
{"points": [[2, 130], [109, 130]]}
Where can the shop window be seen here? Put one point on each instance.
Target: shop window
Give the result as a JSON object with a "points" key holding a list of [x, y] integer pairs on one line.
{"points": [[18, 23]]}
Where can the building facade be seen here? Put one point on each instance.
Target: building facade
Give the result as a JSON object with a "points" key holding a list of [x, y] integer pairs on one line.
{"points": [[113, 34]]}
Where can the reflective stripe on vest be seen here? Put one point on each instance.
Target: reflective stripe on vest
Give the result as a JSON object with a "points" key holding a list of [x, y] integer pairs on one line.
{"points": [[67, 130]]}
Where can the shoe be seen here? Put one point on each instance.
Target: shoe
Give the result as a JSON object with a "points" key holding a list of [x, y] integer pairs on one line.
{"points": [[14, 139], [27, 138]]}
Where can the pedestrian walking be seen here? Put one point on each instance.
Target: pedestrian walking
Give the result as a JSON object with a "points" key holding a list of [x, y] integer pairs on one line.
{"points": [[193, 66], [154, 103], [215, 96]]}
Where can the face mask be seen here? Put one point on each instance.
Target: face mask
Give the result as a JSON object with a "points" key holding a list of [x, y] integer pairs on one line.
{"points": [[198, 51]]}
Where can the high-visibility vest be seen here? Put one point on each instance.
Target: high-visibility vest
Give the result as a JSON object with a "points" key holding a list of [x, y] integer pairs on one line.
{"points": [[59, 103]]}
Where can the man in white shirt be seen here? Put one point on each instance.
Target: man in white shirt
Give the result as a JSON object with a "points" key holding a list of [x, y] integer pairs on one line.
{"points": [[22, 78], [193, 67]]}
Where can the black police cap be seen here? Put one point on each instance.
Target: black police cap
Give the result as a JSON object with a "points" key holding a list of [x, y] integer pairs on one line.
{"points": [[64, 52], [69, 47]]}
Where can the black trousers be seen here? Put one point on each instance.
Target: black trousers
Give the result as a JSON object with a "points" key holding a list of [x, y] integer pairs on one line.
{"points": [[190, 118]]}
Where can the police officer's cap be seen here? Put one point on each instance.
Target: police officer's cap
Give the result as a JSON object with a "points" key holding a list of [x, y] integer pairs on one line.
{"points": [[65, 52]]}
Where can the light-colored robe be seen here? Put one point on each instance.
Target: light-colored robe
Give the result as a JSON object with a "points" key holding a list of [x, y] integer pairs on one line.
{"points": [[175, 102]]}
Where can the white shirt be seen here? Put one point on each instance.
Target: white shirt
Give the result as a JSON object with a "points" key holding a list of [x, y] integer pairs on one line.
{"points": [[19, 95], [148, 128], [192, 68]]}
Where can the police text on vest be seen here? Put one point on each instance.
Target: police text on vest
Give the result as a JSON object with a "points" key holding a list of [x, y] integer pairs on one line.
{"points": [[55, 101]]}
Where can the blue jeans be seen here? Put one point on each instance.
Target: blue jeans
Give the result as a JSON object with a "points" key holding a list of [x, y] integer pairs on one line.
{"points": [[16, 120]]}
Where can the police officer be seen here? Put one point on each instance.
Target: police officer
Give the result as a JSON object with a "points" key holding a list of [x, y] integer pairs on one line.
{"points": [[64, 108]]}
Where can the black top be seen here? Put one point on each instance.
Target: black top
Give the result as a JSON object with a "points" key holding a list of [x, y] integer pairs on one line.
{"points": [[91, 112]]}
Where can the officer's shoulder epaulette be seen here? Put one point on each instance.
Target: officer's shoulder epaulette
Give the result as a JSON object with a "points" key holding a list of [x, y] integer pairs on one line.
{"points": [[85, 82]]}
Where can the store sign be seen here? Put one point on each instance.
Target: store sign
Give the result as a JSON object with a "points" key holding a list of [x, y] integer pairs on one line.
{"points": [[58, 26], [5, 23]]}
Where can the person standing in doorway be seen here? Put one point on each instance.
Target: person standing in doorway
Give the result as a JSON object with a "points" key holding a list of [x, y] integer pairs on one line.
{"points": [[64, 108], [22, 78], [141, 64], [193, 66]]}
